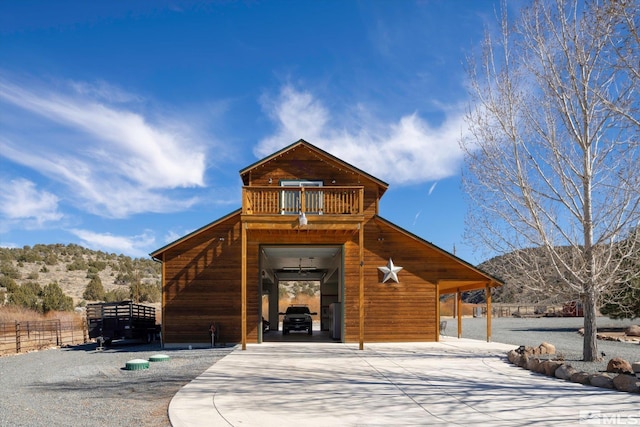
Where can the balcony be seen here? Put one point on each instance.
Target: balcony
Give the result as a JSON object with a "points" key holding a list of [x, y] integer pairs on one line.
{"points": [[334, 201]]}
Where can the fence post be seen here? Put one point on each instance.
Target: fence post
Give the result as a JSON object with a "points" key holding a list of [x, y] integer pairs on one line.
{"points": [[17, 337]]}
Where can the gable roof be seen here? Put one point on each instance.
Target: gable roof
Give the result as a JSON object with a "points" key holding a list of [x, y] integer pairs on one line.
{"points": [[320, 152]]}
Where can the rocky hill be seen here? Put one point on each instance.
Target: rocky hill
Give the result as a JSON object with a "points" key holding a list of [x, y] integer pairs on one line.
{"points": [[519, 286], [72, 267]]}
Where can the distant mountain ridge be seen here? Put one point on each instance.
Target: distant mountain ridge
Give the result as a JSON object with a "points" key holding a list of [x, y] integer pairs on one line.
{"points": [[518, 286]]}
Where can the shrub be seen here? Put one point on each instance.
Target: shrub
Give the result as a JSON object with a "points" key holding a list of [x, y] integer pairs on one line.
{"points": [[53, 298], [94, 290], [117, 295], [27, 296]]}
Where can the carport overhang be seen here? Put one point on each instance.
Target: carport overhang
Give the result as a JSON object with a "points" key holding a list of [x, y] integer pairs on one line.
{"points": [[457, 287]]}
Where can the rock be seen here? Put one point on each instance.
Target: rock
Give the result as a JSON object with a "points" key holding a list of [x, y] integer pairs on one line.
{"points": [[635, 367], [532, 364], [546, 348], [512, 356], [619, 366], [550, 367], [528, 351], [580, 377], [628, 383], [564, 372], [601, 380], [540, 368], [633, 331], [523, 361]]}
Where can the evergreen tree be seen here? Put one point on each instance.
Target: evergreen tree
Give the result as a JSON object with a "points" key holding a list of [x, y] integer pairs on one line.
{"points": [[53, 298], [94, 290]]}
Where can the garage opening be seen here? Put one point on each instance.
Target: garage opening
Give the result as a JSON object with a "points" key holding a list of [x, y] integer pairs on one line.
{"points": [[306, 281]]}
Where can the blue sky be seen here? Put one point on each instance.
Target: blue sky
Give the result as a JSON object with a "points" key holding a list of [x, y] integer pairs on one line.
{"points": [[123, 125]]}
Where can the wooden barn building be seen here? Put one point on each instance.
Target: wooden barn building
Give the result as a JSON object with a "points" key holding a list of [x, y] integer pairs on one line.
{"points": [[307, 215]]}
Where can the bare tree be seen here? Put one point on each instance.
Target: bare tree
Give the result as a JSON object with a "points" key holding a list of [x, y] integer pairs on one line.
{"points": [[553, 156]]}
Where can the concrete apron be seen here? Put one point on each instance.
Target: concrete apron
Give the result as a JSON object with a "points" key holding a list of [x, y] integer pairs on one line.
{"points": [[453, 382]]}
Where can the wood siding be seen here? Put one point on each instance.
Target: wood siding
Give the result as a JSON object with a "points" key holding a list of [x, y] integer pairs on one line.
{"points": [[202, 285]]}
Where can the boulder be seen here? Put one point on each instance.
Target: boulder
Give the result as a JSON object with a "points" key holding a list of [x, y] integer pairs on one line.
{"points": [[635, 367], [550, 367], [628, 383], [564, 372], [633, 331], [523, 361], [512, 356], [601, 380], [540, 368], [546, 348], [581, 378], [619, 366], [532, 364]]}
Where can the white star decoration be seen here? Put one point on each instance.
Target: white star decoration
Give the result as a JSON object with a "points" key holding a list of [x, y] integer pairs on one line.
{"points": [[390, 272]]}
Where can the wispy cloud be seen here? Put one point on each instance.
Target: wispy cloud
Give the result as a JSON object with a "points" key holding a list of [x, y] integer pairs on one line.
{"points": [[433, 187], [113, 160], [407, 151], [136, 246], [23, 205], [415, 218]]}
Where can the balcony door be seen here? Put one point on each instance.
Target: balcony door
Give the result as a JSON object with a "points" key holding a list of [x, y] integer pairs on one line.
{"points": [[291, 200]]}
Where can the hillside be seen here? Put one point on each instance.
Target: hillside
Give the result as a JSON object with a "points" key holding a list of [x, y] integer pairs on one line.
{"points": [[519, 286], [72, 267]]}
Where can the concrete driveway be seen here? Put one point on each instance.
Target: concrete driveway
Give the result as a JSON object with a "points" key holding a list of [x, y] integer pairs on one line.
{"points": [[454, 382]]}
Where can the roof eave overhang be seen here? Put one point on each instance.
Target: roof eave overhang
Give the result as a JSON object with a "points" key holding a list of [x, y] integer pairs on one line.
{"points": [[157, 254], [452, 285]]}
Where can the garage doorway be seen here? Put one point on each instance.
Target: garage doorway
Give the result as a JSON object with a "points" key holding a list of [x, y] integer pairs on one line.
{"points": [[309, 275]]}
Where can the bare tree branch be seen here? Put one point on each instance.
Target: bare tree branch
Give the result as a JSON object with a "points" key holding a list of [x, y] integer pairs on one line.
{"points": [[553, 156]]}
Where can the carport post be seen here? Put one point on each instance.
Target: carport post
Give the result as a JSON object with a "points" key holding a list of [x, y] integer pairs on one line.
{"points": [[459, 309], [243, 285], [361, 302], [488, 298]]}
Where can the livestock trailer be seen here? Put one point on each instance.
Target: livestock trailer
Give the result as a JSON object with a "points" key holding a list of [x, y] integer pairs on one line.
{"points": [[121, 320]]}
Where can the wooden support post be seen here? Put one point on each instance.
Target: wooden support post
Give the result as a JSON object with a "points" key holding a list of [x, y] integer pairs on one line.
{"points": [[361, 298], [459, 309], [243, 285], [488, 298], [438, 311]]}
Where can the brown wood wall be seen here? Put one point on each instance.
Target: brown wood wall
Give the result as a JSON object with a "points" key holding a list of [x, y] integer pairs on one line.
{"points": [[202, 285]]}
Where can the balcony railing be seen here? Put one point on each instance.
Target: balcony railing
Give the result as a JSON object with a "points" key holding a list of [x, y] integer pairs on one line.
{"points": [[269, 200]]}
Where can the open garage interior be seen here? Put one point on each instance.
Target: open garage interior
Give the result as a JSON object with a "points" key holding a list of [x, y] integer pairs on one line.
{"points": [[301, 276]]}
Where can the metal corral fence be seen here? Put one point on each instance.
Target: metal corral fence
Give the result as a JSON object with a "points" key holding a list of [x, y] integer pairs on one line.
{"points": [[20, 337]]}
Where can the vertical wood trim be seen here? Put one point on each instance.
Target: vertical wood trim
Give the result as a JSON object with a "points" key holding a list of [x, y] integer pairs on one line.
{"points": [[437, 328], [243, 292], [459, 309], [488, 297], [361, 279]]}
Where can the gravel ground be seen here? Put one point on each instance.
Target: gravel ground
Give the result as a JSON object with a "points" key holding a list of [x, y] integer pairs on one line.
{"points": [[562, 332], [82, 386]]}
